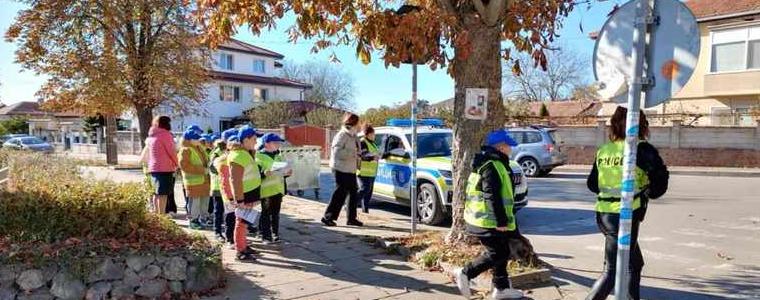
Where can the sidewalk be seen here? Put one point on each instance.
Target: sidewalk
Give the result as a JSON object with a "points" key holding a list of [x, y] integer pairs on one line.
{"points": [[677, 170]]}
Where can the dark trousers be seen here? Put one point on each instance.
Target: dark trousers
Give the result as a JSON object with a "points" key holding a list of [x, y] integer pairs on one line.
{"points": [[171, 204], [345, 186], [269, 223], [494, 258], [218, 209], [229, 226], [365, 191], [211, 206], [608, 225]]}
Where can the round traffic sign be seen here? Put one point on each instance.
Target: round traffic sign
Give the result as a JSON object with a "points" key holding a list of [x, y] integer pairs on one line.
{"points": [[672, 53]]}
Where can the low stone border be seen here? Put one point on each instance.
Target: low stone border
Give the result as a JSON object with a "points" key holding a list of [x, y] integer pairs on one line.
{"points": [[130, 277], [482, 283]]}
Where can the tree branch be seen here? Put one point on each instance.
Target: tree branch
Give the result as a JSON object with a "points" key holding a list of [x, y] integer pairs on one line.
{"points": [[494, 11], [481, 9], [447, 6]]}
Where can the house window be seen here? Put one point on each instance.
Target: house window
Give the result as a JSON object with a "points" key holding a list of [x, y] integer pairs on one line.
{"points": [[229, 93], [225, 124], [225, 61], [260, 95], [259, 66], [736, 49]]}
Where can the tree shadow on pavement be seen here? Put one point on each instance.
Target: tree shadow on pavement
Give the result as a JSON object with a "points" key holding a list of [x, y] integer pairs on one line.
{"points": [[743, 283], [239, 287], [564, 221], [564, 277]]}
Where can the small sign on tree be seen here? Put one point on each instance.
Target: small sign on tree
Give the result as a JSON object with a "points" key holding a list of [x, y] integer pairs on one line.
{"points": [[476, 104]]}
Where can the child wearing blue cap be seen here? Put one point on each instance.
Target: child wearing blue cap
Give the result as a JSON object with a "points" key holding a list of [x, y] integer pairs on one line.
{"points": [[272, 188], [245, 182], [219, 149], [222, 169], [489, 215], [193, 163]]}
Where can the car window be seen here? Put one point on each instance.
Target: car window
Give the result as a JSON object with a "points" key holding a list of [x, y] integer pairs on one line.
{"points": [[532, 137], [380, 140], [554, 137], [433, 144], [393, 142], [31, 141]]}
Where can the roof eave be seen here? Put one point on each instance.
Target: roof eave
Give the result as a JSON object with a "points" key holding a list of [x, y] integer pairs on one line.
{"points": [[728, 16], [273, 55]]}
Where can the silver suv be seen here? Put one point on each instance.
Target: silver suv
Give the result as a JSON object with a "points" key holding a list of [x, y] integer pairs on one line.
{"points": [[539, 150]]}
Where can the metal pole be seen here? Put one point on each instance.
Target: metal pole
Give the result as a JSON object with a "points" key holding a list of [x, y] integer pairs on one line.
{"points": [[413, 175], [622, 278]]}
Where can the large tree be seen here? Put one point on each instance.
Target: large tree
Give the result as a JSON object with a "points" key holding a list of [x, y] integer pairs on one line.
{"points": [[469, 37], [111, 56], [565, 71], [331, 85]]}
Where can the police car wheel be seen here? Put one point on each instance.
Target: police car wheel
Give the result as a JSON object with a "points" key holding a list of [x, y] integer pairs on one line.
{"points": [[428, 205]]}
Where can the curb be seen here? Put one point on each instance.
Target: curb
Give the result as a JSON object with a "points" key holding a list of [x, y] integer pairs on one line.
{"points": [[483, 283], [752, 174]]}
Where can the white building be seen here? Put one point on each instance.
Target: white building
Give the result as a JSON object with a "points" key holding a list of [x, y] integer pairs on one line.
{"points": [[244, 76]]}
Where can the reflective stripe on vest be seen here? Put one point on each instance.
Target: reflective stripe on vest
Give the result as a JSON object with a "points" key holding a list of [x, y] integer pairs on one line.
{"points": [[271, 185], [609, 164], [369, 168], [477, 211], [195, 160], [251, 176]]}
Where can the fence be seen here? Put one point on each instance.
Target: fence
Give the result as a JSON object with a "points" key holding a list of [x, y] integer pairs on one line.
{"points": [[679, 145]]}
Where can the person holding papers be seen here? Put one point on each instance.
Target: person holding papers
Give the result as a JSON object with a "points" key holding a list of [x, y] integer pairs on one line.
{"points": [[272, 187], [245, 181]]}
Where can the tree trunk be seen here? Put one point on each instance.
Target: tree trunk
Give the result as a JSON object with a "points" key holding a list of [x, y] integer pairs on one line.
{"points": [[112, 153], [144, 118], [480, 68]]}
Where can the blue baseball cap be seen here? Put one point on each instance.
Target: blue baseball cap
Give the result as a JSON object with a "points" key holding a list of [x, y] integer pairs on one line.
{"points": [[207, 138], [227, 134], [500, 136], [195, 128], [271, 137], [191, 135], [246, 132]]}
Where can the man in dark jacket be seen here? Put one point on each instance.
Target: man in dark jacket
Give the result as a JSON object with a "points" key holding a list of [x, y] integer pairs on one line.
{"points": [[489, 215]]}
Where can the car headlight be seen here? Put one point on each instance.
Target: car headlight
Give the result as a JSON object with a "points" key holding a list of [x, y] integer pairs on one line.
{"points": [[446, 174]]}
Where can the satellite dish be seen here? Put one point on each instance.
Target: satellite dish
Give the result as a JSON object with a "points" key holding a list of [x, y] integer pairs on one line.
{"points": [[673, 52]]}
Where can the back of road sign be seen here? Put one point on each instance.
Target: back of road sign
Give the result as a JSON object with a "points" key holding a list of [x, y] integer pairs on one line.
{"points": [[674, 51]]}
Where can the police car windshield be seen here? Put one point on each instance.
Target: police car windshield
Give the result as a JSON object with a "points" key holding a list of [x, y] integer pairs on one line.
{"points": [[432, 144]]}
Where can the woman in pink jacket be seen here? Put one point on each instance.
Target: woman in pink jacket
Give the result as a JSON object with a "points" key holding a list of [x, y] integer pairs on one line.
{"points": [[162, 160]]}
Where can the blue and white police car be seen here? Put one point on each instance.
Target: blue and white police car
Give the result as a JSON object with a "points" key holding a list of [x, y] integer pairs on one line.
{"points": [[434, 176]]}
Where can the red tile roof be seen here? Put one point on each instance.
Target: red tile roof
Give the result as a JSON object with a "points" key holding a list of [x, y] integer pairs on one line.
{"points": [[240, 46], [567, 108], [259, 79], [716, 8]]}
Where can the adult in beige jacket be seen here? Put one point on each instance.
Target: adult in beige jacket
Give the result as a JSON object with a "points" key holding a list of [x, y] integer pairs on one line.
{"points": [[344, 161]]}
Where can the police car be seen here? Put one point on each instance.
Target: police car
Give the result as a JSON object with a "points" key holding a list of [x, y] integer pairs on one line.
{"points": [[434, 176]]}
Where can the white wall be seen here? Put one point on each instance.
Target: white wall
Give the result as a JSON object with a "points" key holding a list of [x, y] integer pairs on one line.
{"points": [[243, 63]]}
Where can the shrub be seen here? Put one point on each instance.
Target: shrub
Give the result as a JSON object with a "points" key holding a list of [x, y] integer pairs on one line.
{"points": [[50, 211]]}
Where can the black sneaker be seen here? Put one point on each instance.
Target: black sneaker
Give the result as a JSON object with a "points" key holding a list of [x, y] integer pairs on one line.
{"points": [[220, 238], [354, 223], [328, 223], [276, 239]]}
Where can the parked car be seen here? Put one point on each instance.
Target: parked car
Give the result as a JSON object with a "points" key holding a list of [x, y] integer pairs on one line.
{"points": [[434, 169], [30, 143], [540, 150], [7, 137]]}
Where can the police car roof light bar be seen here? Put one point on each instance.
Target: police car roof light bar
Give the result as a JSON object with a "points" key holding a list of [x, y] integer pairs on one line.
{"points": [[420, 122]]}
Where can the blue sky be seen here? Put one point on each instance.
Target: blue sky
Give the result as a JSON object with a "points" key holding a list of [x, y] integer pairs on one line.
{"points": [[375, 85]]}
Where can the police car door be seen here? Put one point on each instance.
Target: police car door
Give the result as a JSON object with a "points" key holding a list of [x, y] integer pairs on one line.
{"points": [[394, 173]]}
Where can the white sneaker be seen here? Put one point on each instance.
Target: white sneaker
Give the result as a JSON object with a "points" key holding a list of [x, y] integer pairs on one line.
{"points": [[507, 294], [463, 283]]}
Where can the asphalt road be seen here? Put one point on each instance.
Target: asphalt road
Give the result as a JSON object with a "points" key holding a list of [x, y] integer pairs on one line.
{"points": [[700, 241]]}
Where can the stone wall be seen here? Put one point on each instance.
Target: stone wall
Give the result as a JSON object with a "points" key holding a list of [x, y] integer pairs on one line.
{"points": [[129, 277], [738, 158]]}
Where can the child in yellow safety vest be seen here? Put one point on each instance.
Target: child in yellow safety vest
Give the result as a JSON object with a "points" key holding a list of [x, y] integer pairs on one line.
{"points": [[272, 188], [193, 163], [245, 182]]}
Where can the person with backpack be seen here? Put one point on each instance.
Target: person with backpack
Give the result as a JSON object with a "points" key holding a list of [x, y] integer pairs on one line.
{"points": [[272, 188], [605, 180], [193, 163]]}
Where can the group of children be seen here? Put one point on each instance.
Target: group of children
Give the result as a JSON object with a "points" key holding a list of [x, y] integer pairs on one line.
{"points": [[231, 175]]}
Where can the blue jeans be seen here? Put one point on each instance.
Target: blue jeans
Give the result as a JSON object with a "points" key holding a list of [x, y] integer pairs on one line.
{"points": [[365, 191], [218, 213]]}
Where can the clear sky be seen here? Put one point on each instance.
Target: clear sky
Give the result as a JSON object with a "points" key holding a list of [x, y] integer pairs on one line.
{"points": [[375, 85]]}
